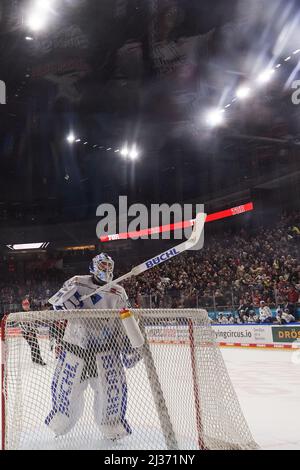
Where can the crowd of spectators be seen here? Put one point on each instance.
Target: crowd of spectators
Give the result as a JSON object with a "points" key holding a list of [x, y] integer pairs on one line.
{"points": [[38, 288], [248, 314], [239, 272], [231, 271]]}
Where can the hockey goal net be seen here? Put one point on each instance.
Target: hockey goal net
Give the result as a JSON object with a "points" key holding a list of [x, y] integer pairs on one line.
{"points": [[172, 393]]}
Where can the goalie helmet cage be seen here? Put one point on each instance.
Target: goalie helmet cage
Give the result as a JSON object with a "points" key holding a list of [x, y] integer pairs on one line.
{"points": [[179, 394]]}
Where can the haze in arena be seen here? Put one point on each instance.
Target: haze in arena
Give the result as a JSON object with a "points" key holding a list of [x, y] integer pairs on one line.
{"points": [[150, 226]]}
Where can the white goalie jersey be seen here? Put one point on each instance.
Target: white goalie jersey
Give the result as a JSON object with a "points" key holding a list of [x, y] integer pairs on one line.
{"points": [[69, 298]]}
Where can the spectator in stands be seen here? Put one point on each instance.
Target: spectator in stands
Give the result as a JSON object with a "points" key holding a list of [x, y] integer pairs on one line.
{"points": [[279, 312], [251, 318], [287, 317], [289, 307], [245, 318], [265, 314], [222, 319], [292, 295], [255, 317], [26, 303]]}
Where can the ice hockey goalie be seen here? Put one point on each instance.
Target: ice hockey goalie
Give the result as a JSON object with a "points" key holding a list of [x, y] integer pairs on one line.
{"points": [[91, 353]]}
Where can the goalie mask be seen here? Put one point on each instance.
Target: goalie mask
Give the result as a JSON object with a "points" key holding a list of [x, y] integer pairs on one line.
{"points": [[102, 267]]}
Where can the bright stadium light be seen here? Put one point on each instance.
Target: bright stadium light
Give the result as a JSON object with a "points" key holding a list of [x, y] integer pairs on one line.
{"points": [[71, 138], [28, 246], [133, 154], [243, 92], [36, 21], [214, 117], [124, 151], [265, 76], [45, 4], [37, 18]]}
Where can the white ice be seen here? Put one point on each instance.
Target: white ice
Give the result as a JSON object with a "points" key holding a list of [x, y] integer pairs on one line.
{"points": [[267, 383]]}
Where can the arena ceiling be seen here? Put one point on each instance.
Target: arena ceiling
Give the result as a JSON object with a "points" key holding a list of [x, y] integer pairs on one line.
{"points": [[141, 72]]}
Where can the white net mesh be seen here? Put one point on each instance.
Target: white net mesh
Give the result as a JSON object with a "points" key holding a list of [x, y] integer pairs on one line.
{"points": [[96, 392]]}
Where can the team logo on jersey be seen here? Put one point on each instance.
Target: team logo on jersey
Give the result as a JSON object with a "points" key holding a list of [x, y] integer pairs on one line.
{"points": [[95, 298]]}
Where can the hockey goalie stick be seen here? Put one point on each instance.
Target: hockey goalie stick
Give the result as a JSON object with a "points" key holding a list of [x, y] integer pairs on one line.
{"points": [[161, 258]]}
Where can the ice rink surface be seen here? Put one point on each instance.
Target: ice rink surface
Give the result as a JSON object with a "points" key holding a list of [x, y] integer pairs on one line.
{"points": [[267, 383]]}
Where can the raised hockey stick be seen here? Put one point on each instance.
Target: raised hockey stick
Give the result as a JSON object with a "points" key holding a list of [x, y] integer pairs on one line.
{"points": [[161, 258]]}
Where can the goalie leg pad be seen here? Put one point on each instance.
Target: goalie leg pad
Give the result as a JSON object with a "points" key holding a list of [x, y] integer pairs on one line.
{"points": [[67, 394], [110, 396]]}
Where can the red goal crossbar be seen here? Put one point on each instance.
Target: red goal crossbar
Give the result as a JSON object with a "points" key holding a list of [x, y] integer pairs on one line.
{"points": [[178, 225]]}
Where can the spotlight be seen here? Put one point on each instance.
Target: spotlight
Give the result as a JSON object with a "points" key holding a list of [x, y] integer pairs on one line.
{"points": [[39, 14], [36, 21], [44, 4], [133, 154], [243, 92], [124, 151], [265, 76], [71, 138], [214, 117]]}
